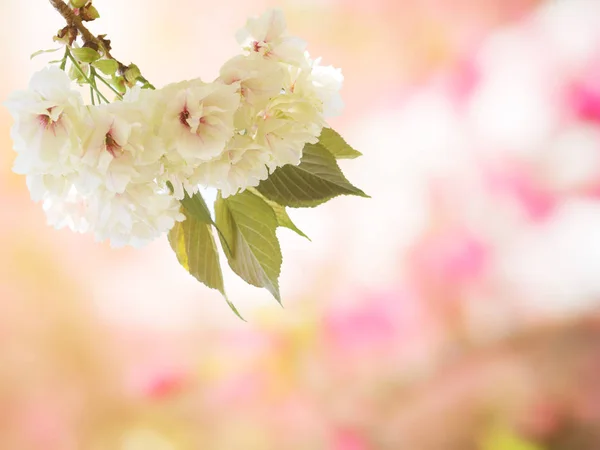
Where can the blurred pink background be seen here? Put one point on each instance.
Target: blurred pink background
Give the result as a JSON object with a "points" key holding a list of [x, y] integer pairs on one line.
{"points": [[456, 309]]}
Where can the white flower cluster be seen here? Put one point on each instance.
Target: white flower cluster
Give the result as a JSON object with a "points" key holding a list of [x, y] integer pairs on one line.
{"points": [[119, 170]]}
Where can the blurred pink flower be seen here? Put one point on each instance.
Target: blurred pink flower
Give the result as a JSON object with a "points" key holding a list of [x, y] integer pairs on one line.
{"points": [[541, 419], [46, 423], [464, 78], [237, 389], [583, 95], [347, 439], [537, 201], [452, 256], [156, 382], [379, 321]]}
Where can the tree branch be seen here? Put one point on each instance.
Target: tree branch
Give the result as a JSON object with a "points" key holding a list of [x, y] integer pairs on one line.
{"points": [[73, 20]]}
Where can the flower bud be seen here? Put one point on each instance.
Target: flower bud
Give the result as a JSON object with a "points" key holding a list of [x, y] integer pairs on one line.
{"points": [[119, 84], [131, 74], [78, 3], [89, 13], [66, 36]]}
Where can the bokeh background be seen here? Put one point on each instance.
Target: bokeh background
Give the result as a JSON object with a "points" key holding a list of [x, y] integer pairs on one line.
{"points": [[456, 309]]}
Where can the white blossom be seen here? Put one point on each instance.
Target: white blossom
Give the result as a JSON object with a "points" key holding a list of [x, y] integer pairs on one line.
{"points": [[242, 165], [40, 185], [259, 79], [49, 119], [68, 210], [142, 213], [120, 149], [267, 36], [122, 163], [196, 122], [291, 120], [327, 82]]}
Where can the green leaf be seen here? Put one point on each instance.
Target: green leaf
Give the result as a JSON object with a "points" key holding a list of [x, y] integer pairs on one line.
{"points": [[283, 219], [248, 223], [85, 54], [194, 245], [317, 179], [39, 52], [197, 208], [337, 146], [106, 66]]}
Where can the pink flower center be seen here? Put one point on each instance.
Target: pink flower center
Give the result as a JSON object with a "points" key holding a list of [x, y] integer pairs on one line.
{"points": [[111, 145], [261, 46], [183, 117], [46, 121]]}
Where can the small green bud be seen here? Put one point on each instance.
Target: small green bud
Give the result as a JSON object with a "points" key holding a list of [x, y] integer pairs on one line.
{"points": [[89, 13], [85, 54], [119, 84], [78, 3], [131, 74]]}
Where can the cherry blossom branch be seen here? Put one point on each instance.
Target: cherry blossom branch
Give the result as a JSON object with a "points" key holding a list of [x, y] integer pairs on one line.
{"points": [[73, 20]]}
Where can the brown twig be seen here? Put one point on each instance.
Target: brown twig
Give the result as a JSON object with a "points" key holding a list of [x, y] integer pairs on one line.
{"points": [[73, 20]]}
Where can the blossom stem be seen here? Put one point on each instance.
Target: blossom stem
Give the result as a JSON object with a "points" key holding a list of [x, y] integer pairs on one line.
{"points": [[117, 93], [90, 82], [94, 85], [92, 95], [63, 64], [93, 77]]}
